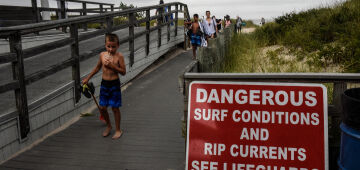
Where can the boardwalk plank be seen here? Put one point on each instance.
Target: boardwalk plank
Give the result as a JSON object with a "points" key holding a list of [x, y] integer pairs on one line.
{"points": [[151, 121]]}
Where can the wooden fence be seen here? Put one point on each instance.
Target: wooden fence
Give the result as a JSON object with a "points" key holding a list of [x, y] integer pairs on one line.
{"points": [[17, 55]]}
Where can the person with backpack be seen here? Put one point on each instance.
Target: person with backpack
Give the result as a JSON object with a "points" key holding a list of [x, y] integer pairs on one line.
{"points": [[195, 33], [210, 27], [239, 22]]}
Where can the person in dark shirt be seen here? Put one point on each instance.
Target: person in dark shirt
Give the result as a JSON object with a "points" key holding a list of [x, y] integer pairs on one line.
{"points": [[219, 24]]}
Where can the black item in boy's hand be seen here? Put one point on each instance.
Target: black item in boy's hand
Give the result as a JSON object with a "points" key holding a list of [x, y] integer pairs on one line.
{"points": [[87, 89]]}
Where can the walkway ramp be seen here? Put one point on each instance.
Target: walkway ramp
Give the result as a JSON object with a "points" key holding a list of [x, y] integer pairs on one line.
{"points": [[151, 120]]}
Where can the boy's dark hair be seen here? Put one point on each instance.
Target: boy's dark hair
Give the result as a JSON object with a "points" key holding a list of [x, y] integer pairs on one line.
{"points": [[207, 12], [112, 38], [196, 15]]}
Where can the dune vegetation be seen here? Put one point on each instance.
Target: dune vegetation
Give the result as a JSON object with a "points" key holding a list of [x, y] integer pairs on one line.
{"points": [[325, 39]]}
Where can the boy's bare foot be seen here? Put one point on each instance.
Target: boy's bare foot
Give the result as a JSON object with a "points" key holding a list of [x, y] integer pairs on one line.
{"points": [[106, 132], [117, 134]]}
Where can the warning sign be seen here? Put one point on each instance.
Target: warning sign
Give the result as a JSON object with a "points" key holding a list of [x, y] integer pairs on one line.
{"points": [[257, 126]]}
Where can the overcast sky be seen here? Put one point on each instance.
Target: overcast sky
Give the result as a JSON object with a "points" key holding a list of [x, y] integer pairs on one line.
{"points": [[247, 9]]}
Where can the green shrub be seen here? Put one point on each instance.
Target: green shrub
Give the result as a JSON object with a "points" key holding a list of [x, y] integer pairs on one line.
{"points": [[328, 33]]}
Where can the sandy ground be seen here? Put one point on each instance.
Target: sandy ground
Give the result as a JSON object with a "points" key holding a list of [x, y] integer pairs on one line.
{"points": [[287, 56], [247, 30]]}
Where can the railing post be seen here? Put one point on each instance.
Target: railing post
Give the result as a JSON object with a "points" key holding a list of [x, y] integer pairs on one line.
{"points": [[75, 56], [334, 140], [57, 15], [131, 37], [168, 22], [112, 8], [339, 88], [186, 12], [84, 13], [160, 20], [176, 19], [101, 11], [20, 93], [186, 16], [101, 8], [109, 24], [147, 48], [36, 12], [62, 12]]}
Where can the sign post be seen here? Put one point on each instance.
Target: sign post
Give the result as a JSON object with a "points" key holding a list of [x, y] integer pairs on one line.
{"points": [[257, 126]]}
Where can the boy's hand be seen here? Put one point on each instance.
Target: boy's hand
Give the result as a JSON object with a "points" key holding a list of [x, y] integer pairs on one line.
{"points": [[107, 62], [85, 81]]}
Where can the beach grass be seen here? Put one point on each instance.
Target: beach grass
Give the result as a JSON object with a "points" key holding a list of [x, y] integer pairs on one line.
{"points": [[326, 35]]}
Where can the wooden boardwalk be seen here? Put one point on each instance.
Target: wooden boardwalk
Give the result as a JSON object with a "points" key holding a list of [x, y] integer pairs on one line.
{"points": [[151, 119], [42, 61]]}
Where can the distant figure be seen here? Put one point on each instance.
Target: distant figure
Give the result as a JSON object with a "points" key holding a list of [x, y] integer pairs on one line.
{"points": [[196, 34], [219, 24], [227, 21], [239, 22], [262, 21], [210, 27], [157, 12]]}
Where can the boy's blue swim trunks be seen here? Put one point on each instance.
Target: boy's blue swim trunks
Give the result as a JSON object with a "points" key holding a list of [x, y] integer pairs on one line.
{"points": [[195, 39], [110, 93]]}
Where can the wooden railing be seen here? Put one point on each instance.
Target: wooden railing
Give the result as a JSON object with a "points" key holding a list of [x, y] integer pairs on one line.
{"points": [[17, 54], [11, 15], [338, 82]]}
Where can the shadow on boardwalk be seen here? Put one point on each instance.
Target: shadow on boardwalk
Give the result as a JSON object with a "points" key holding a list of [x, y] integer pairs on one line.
{"points": [[151, 113]]}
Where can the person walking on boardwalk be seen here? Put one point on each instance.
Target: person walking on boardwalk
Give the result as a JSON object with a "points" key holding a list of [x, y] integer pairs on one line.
{"points": [[219, 24], [157, 12], [210, 27], [227, 21], [262, 21], [239, 22], [196, 33], [112, 63]]}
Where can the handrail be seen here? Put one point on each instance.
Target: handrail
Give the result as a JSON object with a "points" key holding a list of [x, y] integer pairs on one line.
{"points": [[89, 2], [311, 77], [60, 12], [5, 31], [17, 54]]}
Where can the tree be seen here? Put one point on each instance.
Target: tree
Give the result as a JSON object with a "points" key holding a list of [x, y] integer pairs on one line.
{"points": [[124, 6]]}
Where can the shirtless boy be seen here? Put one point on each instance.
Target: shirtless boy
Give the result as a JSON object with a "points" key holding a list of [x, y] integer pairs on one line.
{"points": [[195, 34], [111, 62]]}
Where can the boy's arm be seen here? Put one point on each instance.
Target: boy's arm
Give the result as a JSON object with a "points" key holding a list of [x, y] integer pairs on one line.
{"points": [[93, 72], [120, 67]]}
